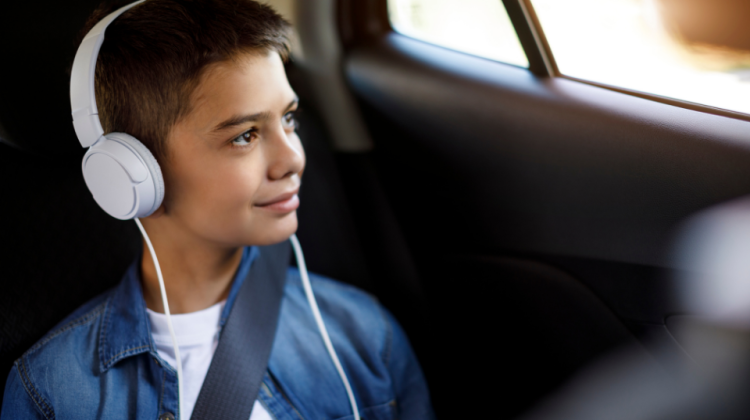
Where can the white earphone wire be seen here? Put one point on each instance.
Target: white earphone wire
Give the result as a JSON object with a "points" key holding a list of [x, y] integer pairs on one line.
{"points": [[178, 360], [310, 298], [319, 320]]}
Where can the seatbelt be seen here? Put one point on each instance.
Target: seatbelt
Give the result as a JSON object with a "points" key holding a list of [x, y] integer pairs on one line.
{"points": [[236, 372]]}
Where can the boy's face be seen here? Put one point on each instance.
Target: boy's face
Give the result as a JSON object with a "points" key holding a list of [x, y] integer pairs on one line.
{"points": [[234, 164]]}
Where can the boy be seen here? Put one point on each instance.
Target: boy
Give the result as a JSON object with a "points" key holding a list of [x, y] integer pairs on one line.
{"points": [[201, 83]]}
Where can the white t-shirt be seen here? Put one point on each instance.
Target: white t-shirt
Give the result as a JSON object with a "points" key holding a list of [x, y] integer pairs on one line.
{"points": [[197, 336]]}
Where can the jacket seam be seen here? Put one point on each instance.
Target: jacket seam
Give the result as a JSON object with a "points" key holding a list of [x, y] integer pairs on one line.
{"points": [[33, 393], [130, 350], [84, 319], [264, 387], [283, 395], [159, 361], [161, 396], [103, 335], [263, 403], [391, 403]]}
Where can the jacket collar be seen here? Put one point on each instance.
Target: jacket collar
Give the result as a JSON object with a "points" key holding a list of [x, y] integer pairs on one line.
{"points": [[126, 330]]}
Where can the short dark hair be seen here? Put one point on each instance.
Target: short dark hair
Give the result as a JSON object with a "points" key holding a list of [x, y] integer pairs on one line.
{"points": [[154, 55]]}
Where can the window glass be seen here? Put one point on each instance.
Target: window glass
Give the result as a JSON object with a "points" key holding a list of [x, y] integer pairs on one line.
{"points": [[479, 27], [671, 48]]}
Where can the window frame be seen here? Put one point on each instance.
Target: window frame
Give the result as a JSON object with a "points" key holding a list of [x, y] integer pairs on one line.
{"points": [[366, 21]]}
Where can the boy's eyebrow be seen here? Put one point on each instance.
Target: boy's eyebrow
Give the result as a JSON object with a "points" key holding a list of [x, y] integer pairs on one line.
{"points": [[236, 120]]}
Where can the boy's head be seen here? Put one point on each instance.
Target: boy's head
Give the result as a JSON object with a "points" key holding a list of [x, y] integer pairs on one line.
{"points": [[201, 83]]}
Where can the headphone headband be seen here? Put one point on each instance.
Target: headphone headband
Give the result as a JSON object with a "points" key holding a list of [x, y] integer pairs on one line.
{"points": [[121, 173], [82, 81]]}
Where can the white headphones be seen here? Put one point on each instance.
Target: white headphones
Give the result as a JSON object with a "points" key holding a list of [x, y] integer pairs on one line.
{"points": [[121, 173]]}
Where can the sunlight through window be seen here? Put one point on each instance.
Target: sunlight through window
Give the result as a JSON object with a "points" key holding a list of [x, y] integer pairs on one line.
{"points": [[478, 27], [632, 44]]}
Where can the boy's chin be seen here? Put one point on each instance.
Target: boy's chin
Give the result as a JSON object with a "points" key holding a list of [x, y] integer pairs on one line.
{"points": [[275, 231]]}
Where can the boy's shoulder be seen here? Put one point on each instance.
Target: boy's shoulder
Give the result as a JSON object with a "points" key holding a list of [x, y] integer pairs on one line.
{"points": [[368, 341], [340, 301], [73, 327], [57, 358], [81, 323], [353, 317], [329, 286], [78, 334]]}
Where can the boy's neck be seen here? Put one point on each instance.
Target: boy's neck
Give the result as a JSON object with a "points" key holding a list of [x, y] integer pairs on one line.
{"points": [[197, 275]]}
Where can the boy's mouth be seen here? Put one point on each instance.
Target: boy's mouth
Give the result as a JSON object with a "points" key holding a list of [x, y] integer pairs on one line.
{"points": [[283, 203]]}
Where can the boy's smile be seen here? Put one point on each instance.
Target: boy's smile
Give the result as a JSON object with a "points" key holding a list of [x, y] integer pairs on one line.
{"points": [[284, 203], [233, 165]]}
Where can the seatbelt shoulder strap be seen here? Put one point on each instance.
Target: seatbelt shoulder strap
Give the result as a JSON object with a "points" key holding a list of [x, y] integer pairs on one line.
{"points": [[236, 371]]}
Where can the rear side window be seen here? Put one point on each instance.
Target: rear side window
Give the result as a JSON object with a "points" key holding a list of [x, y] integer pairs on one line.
{"points": [[478, 27], [674, 48]]}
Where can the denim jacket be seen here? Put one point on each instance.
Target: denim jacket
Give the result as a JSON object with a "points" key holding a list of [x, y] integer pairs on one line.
{"points": [[101, 362]]}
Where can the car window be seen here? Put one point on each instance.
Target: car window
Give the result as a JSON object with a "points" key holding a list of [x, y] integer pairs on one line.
{"points": [[478, 27], [643, 45]]}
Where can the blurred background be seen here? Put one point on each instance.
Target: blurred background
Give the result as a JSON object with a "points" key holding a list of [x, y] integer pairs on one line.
{"points": [[692, 50]]}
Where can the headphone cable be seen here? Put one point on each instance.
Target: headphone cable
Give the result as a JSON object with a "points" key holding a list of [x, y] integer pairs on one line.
{"points": [[319, 320], [310, 298], [178, 360]]}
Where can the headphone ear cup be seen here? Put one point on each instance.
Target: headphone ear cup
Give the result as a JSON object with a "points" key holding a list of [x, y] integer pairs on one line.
{"points": [[148, 158], [123, 176]]}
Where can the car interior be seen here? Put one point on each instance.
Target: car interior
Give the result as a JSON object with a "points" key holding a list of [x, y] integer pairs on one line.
{"points": [[517, 222]]}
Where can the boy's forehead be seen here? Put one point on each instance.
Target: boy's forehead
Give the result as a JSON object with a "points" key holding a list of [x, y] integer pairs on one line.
{"points": [[223, 77], [248, 84]]}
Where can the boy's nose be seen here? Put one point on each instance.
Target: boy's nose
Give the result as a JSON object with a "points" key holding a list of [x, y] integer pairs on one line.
{"points": [[285, 154]]}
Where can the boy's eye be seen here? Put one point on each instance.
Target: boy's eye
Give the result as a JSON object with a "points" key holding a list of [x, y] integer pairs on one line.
{"points": [[245, 138], [289, 119]]}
